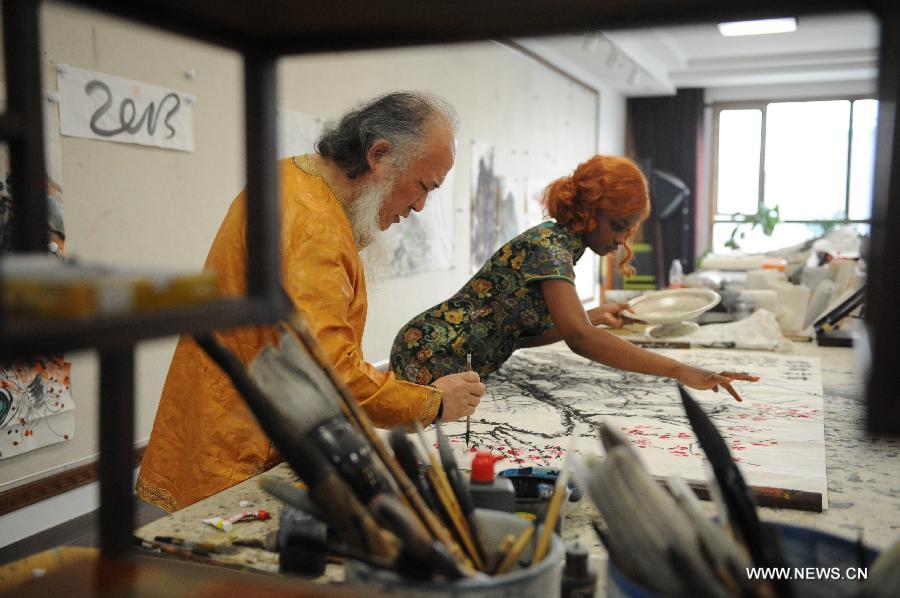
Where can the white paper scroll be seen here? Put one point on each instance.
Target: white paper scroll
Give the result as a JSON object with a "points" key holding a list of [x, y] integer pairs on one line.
{"points": [[98, 106], [776, 435]]}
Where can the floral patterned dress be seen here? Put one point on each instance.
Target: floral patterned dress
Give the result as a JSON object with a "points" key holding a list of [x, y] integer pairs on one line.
{"points": [[500, 305]]}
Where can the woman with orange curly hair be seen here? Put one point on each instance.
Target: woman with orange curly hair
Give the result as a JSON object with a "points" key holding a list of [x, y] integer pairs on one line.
{"points": [[525, 296]]}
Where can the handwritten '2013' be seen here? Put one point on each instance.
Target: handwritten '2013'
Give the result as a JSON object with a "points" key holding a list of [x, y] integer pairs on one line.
{"points": [[128, 113]]}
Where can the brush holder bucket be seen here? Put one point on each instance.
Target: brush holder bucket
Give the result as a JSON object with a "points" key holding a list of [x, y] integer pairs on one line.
{"points": [[542, 579]]}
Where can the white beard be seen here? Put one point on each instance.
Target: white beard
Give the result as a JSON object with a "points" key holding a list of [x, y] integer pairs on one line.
{"points": [[364, 215]]}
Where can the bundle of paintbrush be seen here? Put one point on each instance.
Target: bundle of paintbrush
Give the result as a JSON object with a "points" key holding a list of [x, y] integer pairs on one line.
{"points": [[648, 535], [412, 514], [281, 416], [450, 493], [354, 483]]}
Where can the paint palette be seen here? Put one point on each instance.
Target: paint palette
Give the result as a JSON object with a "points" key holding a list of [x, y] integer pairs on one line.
{"points": [[671, 310]]}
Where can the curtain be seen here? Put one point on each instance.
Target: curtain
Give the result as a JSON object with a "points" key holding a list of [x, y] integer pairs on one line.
{"points": [[666, 133]]}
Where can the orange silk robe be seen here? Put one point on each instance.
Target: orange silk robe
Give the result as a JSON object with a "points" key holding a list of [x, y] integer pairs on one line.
{"points": [[204, 438]]}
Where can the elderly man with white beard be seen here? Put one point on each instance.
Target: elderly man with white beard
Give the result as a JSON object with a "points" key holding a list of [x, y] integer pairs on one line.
{"points": [[371, 168]]}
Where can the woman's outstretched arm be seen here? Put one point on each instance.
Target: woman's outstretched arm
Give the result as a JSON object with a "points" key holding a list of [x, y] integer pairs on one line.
{"points": [[574, 326], [608, 314]]}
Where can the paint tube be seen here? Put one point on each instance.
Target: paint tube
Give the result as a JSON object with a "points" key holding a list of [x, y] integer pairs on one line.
{"points": [[225, 523], [219, 523], [260, 515]]}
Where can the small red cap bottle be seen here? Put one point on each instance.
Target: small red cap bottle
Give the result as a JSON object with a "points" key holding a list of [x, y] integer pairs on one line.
{"points": [[488, 491]]}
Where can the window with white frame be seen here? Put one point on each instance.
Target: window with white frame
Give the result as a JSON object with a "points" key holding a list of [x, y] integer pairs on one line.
{"points": [[786, 172]]}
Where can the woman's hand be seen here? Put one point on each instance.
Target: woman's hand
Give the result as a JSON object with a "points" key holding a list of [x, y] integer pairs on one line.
{"points": [[704, 379], [609, 314]]}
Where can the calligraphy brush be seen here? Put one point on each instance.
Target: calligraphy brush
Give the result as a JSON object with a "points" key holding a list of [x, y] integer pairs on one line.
{"points": [[512, 555], [460, 488], [320, 420], [726, 558], [447, 499], [407, 456], [560, 493], [279, 417], [421, 556], [312, 357], [503, 549], [468, 417], [738, 499]]}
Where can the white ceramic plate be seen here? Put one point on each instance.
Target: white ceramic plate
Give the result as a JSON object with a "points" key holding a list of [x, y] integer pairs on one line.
{"points": [[672, 305]]}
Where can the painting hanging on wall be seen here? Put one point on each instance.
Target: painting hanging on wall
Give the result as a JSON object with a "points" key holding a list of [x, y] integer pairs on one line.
{"points": [[36, 406], [485, 200], [497, 209], [424, 241]]}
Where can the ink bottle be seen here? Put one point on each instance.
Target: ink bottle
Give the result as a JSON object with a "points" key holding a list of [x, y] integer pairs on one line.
{"points": [[579, 580], [676, 275], [489, 491]]}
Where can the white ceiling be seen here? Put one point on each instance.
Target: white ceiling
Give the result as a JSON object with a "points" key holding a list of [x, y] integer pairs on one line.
{"points": [[828, 48]]}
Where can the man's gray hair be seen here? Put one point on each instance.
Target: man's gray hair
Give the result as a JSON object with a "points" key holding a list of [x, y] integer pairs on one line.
{"points": [[400, 117]]}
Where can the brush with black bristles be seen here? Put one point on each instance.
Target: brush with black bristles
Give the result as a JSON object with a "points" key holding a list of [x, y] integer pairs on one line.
{"points": [[327, 426], [450, 507], [761, 540], [279, 416], [460, 487], [422, 556], [319, 419], [408, 457], [304, 351]]}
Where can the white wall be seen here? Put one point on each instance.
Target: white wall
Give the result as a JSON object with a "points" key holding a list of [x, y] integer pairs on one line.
{"points": [[541, 123], [132, 205]]}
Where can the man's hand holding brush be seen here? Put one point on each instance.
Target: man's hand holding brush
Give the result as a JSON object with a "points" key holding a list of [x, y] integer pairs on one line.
{"points": [[462, 394]]}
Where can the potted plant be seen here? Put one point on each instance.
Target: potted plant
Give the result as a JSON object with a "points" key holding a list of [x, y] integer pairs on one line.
{"points": [[765, 217]]}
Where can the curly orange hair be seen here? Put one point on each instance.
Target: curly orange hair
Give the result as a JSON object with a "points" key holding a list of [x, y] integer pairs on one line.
{"points": [[607, 185]]}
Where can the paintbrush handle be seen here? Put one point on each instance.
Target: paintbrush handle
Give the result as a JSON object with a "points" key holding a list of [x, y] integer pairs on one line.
{"points": [[461, 491], [297, 324], [468, 417], [553, 510], [504, 547], [407, 457], [327, 489], [513, 555], [459, 488], [439, 482], [419, 547]]}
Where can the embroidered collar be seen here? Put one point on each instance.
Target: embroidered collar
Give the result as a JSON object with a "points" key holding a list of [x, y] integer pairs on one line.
{"points": [[304, 163], [577, 244]]}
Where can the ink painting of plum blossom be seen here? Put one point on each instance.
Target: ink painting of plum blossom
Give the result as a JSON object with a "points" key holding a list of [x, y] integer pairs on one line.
{"points": [[776, 435]]}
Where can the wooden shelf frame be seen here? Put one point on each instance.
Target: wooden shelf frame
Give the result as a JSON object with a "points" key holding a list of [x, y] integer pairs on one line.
{"points": [[264, 30]]}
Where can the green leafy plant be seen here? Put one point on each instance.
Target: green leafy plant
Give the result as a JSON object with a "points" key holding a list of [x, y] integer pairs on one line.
{"points": [[766, 218]]}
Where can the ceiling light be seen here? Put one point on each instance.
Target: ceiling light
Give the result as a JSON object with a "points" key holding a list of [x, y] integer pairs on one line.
{"points": [[758, 27]]}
